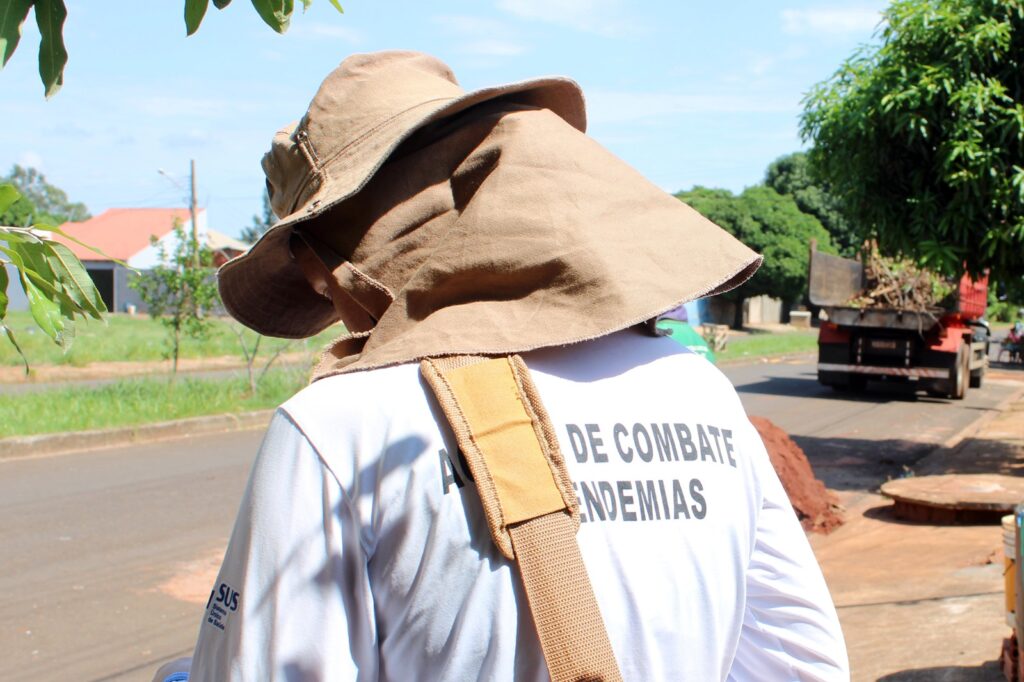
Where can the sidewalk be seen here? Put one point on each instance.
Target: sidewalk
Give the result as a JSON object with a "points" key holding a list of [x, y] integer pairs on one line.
{"points": [[918, 601]]}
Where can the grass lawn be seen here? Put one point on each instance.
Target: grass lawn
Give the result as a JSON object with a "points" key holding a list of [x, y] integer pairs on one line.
{"points": [[140, 401], [131, 402], [133, 338], [759, 344]]}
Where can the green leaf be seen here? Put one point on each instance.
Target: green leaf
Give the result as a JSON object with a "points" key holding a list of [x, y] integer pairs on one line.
{"points": [[337, 6], [50, 16], [306, 4], [46, 312], [17, 236], [12, 16], [14, 342], [8, 195], [76, 281], [4, 281], [31, 261], [221, 4], [275, 13], [195, 10]]}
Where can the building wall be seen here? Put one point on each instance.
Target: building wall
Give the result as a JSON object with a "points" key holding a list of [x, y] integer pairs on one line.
{"points": [[127, 296], [756, 310], [763, 310]]}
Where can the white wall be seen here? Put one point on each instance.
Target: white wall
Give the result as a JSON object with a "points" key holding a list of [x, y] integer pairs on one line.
{"points": [[149, 257]]}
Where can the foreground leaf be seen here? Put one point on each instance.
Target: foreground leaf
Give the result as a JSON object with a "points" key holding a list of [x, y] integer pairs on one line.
{"points": [[4, 281], [275, 13], [76, 281], [14, 342], [195, 10], [50, 16], [337, 6], [46, 313], [221, 4], [12, 16]]}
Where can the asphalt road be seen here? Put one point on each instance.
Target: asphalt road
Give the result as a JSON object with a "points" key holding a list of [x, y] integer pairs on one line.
{"points": [[108, 557], [854, 441]]}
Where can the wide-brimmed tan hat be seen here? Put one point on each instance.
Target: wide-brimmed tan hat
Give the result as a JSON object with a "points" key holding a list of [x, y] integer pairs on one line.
{"points": [[364, 110]]}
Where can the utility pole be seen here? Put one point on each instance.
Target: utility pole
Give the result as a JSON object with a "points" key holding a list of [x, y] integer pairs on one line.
{"points": [[192, 212]]}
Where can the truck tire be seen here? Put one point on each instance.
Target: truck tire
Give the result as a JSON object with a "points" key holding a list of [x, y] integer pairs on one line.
{"points": [[963, 372], [955, 387], [977, 376]]}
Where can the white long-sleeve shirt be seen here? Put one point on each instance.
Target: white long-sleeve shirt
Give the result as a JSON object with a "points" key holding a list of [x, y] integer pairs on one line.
{"points": [[361, 552]]}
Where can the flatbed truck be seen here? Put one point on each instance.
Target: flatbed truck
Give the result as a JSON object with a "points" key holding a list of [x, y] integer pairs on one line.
{"points": [[943, 350]]}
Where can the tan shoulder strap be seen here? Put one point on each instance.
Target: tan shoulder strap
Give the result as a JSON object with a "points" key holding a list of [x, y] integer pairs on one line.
{"points": [[512, 451]]}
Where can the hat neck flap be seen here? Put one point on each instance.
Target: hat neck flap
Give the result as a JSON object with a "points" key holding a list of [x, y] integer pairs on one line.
{"points": [[508, 232]]}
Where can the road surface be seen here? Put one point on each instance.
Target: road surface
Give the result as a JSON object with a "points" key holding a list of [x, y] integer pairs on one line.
{"points": [[854, 441], [108, 557]]}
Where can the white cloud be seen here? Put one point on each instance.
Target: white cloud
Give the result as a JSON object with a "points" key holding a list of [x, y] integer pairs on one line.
{"points": [[493, 48], [830, 20], [762, 64], [469, 26], [606, 106], [334, 31], [31, 159], [482, 37], [610, 18], [190, 107], [187, 138]]}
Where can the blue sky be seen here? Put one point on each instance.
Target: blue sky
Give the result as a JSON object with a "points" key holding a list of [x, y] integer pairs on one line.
{"points": [[689, 92]]}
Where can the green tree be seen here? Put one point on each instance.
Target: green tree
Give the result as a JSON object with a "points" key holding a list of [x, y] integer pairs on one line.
{"points": [[790, 175], [46, 203], [771, 224], [50, 16], [260, 223], [20, 213], [921, 136], [55, 282], [178, 292]]}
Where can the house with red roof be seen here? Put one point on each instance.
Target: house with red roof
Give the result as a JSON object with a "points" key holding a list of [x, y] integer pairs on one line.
{"points": [[127, 235]]}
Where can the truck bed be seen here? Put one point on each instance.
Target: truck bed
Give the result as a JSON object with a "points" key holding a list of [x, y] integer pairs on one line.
{"points": [[883, 318]]}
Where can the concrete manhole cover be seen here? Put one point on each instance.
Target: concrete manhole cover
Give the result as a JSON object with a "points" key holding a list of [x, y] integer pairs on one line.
{"points": [[955, 498]]}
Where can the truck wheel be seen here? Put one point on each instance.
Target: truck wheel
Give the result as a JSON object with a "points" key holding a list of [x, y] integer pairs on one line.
{"points": [[963, 374], [977, 376], [955, 387]]}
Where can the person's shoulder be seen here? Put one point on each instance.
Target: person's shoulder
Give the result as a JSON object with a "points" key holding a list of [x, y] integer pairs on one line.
{"points": [[358, 392], [630, 352]]}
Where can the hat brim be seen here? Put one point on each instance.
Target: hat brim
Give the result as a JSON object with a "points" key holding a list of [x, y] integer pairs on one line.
{"points": [[264, 288]]}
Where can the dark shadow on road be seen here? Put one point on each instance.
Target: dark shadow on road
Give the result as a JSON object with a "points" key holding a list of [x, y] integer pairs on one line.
{"points": [[861, 464], [887, 513], [978, 456], [807, 386], [1006, 365], [986, 672]]}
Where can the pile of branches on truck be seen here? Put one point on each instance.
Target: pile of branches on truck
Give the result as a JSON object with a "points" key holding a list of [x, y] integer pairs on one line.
{"points": [[901, 284]]}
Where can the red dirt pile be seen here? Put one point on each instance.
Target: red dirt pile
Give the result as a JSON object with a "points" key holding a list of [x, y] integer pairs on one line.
{"points": [[815, 506]]}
